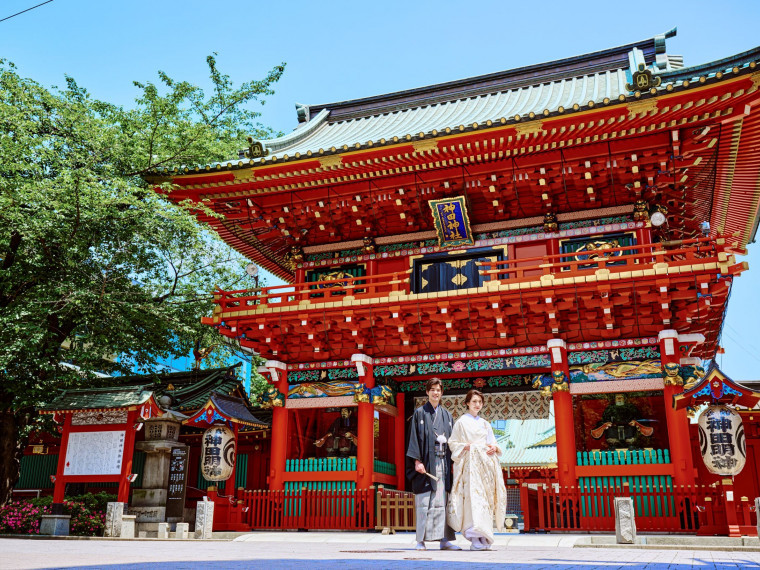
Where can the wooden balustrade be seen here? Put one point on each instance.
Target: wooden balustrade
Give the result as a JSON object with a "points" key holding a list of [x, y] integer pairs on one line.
{"points": [[395, 510]]}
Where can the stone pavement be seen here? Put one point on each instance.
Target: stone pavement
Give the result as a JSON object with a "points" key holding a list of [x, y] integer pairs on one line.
{"points": [[281, 550]]}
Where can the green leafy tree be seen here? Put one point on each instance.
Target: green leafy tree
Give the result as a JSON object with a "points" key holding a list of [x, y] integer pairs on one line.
{"points": [[95, 264]]}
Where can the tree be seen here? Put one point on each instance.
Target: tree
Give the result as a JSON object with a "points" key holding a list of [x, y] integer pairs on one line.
{"points": [[93, 262]]}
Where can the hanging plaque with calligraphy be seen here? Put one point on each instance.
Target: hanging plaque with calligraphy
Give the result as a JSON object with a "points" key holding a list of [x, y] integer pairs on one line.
{"points": [[721, 440], [451, 221]]}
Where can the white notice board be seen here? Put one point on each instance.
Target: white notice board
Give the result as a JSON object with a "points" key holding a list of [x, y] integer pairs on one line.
{"points": [[94, 453]]}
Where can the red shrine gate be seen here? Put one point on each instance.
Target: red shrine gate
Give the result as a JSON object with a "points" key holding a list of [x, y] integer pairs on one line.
{"points": [[572, 232]]}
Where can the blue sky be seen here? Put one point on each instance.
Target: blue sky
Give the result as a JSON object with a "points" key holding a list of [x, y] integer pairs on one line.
{"points": [[344, 50]]}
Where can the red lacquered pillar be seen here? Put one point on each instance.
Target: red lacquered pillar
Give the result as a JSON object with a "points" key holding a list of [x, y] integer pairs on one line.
{"points": [[563, 414], [365, 447], [677, 420], [279, 373]]}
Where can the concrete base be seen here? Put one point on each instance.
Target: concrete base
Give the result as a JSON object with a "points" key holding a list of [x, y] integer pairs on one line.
{"points": [[182, 532], [127, 526], [55, 525]]}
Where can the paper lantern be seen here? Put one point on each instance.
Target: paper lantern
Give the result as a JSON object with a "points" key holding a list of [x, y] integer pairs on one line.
{"points": [[721, 440], [218, 453]]}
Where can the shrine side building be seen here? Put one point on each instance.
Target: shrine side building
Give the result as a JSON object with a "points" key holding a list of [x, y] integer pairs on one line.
{"points": [[561, 236]]}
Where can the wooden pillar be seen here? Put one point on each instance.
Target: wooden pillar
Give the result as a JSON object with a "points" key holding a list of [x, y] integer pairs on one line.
{"points": [[399, 426], [59, 488], [365, 425], [677, 420], [563, 414], [229, 486], [126, 462], [279, 372]]}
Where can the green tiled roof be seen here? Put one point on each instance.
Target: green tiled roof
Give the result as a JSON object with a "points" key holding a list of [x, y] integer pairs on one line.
{"points": [[191, 389], [99, 398], [528, 443]]}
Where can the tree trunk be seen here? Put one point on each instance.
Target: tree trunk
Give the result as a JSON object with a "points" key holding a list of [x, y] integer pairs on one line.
{"points": [[11, 450]]}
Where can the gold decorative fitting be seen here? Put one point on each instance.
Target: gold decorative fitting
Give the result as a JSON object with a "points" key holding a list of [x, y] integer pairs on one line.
{"points": [[531, 115], [669, 87], [546, 112], [503, 121], [475, 125], [621, 97], [735, 69], [330, 161], [517, 117], [561, 109], [425, 145], [576, 107], [686, 83], [702, 79], [526, 129], [606, 100], [638, 107], [719, 75]]}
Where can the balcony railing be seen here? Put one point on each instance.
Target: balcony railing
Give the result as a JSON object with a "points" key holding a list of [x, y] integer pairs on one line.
{"points": [[391, 286]]}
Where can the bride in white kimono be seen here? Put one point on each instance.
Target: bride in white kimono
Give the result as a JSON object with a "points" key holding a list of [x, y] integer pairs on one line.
{"points": [[478, 496]]}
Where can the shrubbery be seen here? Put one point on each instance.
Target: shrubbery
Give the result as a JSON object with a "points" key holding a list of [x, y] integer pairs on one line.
{"points": [[88, 514]]}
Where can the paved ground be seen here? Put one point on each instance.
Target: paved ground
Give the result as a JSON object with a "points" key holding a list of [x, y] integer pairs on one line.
{"points": [[275, 551]]}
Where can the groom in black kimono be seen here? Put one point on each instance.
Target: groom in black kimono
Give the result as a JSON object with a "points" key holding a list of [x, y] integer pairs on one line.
{"points": [[429, 467]]}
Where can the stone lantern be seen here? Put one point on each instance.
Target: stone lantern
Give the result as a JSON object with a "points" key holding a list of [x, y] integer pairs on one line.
{"points": [[149, 502]]}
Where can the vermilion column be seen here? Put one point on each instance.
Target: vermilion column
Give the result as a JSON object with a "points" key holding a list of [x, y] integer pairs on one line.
{"points": [[229, 486], [126, 461], [400, 442], [365, 448], [59, 488], [563, 414], [279, 373], [677, 420]]}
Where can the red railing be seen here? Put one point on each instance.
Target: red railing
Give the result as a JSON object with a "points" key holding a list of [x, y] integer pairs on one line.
{"points": [[683, 252], [624, 258], [308, 509], [697, 509]]}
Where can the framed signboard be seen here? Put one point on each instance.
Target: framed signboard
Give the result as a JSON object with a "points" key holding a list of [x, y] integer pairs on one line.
{"points": [[94, 453]]}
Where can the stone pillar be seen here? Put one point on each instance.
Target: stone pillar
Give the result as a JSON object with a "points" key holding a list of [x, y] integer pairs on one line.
{"points": [[114, 516], [677, 420], [400, 441], [563, 413], [279, 373], [204, 519], [365, 425], [757, 512], [625, 521]]}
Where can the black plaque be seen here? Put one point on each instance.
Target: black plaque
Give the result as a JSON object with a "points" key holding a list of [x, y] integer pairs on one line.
{"points": [[175, 499]]}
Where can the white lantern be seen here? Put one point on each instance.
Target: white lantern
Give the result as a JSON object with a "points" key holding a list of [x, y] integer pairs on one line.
{"points": [[721, 440], [218, 453]]}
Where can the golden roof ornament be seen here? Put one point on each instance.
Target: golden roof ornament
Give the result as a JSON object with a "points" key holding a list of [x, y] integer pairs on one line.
{"points": [[643, 79]]}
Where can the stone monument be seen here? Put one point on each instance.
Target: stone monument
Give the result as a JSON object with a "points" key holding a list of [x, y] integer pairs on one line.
{"points": [[625, 521]]}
